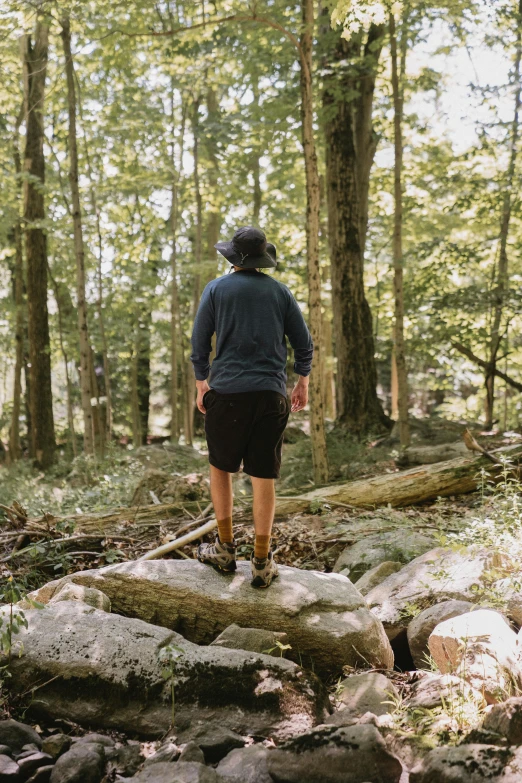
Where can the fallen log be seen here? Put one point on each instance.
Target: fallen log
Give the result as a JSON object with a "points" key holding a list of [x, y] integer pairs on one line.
{"points": [[406, 488]]}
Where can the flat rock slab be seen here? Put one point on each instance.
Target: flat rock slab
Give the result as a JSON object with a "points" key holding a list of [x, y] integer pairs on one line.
{"points": [[103, 670], [355, 754], [421, 627], [469, 764], [327, 620], [177, 772], [438, 575]]}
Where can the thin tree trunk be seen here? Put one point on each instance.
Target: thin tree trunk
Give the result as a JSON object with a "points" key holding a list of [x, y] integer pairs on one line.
{"points": [[137, 437], [319, 453], [503, 267], [350, 147], [18, 278], [174, 293], [256, 157], [214, 215], [398, 328], [86, 370], [100, 298], [198, 237], [43, 443], [68, 384]]}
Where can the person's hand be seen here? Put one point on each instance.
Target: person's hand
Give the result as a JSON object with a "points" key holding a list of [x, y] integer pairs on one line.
{"points": [[203, 388], [300, 395]]}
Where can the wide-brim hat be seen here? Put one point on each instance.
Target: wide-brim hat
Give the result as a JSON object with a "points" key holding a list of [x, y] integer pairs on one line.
{"points": [[249, 249]]}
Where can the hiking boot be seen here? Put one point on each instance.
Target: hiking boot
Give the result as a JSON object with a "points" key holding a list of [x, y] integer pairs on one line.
{"points": [[263, 571], [221, 556]]}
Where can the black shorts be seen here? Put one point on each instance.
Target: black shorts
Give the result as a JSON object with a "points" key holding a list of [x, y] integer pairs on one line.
{"points": [[246, 427]]}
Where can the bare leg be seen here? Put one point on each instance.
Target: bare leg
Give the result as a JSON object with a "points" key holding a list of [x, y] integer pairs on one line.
{"points": [[221, 492], [264, 510]]}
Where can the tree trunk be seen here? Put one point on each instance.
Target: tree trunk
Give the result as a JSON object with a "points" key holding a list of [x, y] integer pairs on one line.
{"points": [[502, 282], [70, 407], [88, 393], [18, 290], [43, 443], [398, 327], [174, 293], [317, 396], [350, 147], [137, 435], [256, 158], [214, 215], [417, 485]]}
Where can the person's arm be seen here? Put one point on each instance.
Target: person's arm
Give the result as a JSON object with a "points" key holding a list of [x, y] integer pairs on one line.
{"points": [[201, 340], [301, 342]]}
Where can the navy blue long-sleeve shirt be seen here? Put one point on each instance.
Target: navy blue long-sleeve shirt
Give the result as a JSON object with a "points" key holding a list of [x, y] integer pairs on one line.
{"points": [[251, 313]]}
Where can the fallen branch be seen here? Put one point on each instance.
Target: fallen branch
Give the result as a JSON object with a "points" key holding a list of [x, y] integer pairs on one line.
{"points": [[486, 365], [179, 542]]}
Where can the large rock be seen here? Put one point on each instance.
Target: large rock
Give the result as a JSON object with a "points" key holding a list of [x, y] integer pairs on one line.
{"points": [[89, 596], [9, 770], [437, 690], [354, 754], [177, 772], [103, 670], [246, 765], [80, 764], [436, 576], [506, 720], [372, 550], [15, 735], [480, 647], [326, 618], [376, 575], [252, 639], [366, 692], [469, 764], [420, 628]]}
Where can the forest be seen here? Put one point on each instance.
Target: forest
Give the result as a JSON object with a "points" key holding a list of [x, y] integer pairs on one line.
{"points": [[377, 144]]}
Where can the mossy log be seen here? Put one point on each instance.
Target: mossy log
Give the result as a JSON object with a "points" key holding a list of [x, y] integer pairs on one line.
{"points": [[409, 487]]}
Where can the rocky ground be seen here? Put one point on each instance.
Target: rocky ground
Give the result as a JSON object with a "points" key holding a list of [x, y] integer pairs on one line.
{"points": [[388, 651]]}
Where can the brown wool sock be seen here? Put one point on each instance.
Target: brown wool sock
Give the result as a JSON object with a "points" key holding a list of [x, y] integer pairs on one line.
{"points": [[226, 536], [261, 547]]}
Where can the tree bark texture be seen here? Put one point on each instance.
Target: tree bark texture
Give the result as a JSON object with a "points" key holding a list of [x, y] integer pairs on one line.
{"points": [[18, 296], [174, 292], [35, 55], [350, 147], [317, 396], [417, 485], [502, 281], [88, 393], [398, 290]]}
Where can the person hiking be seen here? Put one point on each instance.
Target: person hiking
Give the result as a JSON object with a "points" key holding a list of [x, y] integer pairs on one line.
{"points": [[244, 400]]}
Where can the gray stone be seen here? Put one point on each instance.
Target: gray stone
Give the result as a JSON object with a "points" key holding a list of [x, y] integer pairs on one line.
{"points": [[89, 596], [167, 752], [326, 618], [30, 764], [112, 678], [252, 639], [178, 772], [421, 627], [506, 719], [15, 735], [365, 692], [436, 576], [96, 739], [434, 690], [192, 752], [9, 770], [335, 755], [5, 750], [80, 764], [42, 775], [469, 764], [246, 765], [380, 547], [480, 647], [30, 747], [56, 744], [216, 742], [128, 760], [374, 576]]}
